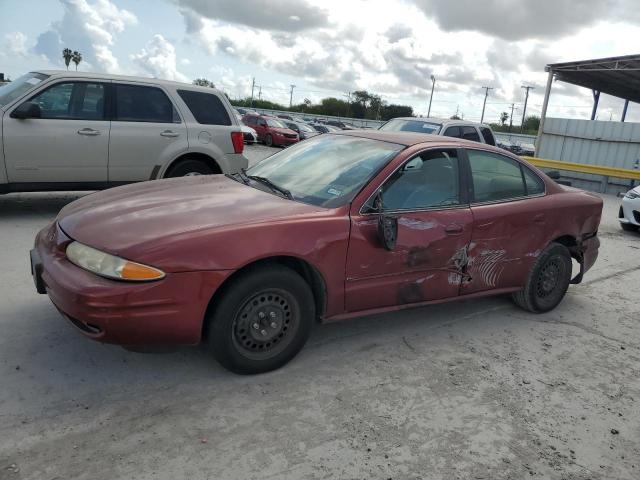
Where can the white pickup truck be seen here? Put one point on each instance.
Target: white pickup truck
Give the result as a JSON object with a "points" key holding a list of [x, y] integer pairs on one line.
{"points": [[84, 131]]}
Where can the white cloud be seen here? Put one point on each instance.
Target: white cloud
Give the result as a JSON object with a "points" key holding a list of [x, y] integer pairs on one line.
{"points": [[15, 44], [158, 59], [90, 28]]}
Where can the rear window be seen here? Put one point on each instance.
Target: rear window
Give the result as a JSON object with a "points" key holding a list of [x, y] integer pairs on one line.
{"points": [[135, 103], [399, 125], [488, 136], [206, 108]]}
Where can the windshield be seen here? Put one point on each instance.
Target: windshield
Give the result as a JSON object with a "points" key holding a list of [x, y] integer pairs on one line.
{"points": [[305, 128], [20, 86], [272, 122], [327, 170], [419, 126]]}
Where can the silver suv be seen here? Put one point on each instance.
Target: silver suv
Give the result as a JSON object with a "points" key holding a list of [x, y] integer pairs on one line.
{"points": [[477, 132], [86, 131]]}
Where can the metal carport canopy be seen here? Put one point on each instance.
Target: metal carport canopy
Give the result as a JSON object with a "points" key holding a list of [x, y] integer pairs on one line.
{"points": [[617, 76]]}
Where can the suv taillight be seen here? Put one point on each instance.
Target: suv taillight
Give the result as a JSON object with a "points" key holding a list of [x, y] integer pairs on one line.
{"points": [[237, 138]]}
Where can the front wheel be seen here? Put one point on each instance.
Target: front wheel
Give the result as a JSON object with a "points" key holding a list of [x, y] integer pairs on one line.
{"points": [[548, 280], [262, 320], [268, 140]]}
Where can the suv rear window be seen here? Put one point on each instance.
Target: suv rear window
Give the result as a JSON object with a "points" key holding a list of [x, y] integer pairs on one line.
{"points": [[206, 108], [135, 103]]}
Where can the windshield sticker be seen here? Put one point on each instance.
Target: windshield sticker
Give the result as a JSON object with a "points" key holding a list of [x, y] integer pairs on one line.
{"points": [[34, 81], [333, 191]]}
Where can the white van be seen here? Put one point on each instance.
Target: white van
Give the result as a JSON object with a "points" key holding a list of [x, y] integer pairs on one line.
{"points": [[64, 130]]}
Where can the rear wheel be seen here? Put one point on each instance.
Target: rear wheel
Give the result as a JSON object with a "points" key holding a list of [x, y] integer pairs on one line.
{"points": [[268, 140], [261, 320], [189, 167], [629, 227], [548, 280]]}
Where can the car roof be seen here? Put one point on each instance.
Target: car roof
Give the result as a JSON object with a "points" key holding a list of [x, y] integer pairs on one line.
{"points": [[448, 121], [127, 78], [409, 139]]}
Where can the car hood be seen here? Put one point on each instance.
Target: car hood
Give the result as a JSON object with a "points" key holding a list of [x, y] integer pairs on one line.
{"points": [[129, 221]]}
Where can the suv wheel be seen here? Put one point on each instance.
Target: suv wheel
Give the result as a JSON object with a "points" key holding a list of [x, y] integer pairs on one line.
{"points": [[189, 167]]}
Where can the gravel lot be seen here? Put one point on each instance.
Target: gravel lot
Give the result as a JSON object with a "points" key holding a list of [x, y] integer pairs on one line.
{"points": [[477, 389]]}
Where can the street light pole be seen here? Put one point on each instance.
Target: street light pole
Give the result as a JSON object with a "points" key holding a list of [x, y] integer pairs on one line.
{"points": [[291, 97], [433, 86], [486, 94]]}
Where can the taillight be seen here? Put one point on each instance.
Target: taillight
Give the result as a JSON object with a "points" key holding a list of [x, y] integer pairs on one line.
{"points": [[237, 138]]}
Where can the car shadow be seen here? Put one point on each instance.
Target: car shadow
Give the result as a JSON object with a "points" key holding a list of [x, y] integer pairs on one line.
{"points": [[38, 204], [63, 367]]}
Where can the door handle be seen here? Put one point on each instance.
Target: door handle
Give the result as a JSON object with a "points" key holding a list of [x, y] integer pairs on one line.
{"points": [[169, 133], [453, 229], [88, 131], [539, 218]]}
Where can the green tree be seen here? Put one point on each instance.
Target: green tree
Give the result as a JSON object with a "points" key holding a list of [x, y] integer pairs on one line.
{"points": [[67, 54], [76, 58], [203, 82], [504, 116], [531, 123]]}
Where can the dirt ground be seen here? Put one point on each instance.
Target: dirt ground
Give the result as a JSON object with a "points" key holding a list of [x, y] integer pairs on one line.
{"points": [[470, 390]]}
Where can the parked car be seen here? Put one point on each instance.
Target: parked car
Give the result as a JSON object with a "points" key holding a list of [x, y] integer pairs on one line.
{"points": [[338, 226], [270, 130], [629, 213], [340, 124], [246, 111], [303, 130], [60, 132], [249, 134], [322, 128], [475, 132]]}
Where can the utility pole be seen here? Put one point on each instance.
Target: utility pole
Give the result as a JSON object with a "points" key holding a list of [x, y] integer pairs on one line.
{"points": [[433, 86], [291, 97], [253, 84], [486, 94], [259, 92], [513, 106], [524, 110], [348, 95]]}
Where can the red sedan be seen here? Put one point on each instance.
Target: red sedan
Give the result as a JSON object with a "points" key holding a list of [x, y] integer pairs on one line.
{"points": [[272, 131], [338, 226]]}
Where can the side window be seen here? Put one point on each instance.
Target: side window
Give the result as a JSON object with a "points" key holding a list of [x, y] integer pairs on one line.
{"points": [[136, 103], [206, 108], [495, 177], [453, 132], [429, 180], [470, 133], [72, 101], [535, 185], [488, 136]]}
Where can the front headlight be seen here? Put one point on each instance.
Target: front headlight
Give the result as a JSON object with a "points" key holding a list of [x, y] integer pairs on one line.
{"points": [[631, 194], [110, 266]]}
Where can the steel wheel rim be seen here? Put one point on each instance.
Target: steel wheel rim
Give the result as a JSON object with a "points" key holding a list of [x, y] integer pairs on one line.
{"points": [[265, 324], [549, 277]]}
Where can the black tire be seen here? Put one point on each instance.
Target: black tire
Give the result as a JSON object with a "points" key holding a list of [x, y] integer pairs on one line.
{"points": [[268, 140], [189, 167], [548, 280], [276, 299], [629, 227]]}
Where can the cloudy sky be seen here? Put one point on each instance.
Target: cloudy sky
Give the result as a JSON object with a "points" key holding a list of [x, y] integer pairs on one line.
{"points": [[332, 47]]}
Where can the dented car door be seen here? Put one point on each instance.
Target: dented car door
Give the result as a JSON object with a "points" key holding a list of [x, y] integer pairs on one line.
{"points": [[434, 226]]}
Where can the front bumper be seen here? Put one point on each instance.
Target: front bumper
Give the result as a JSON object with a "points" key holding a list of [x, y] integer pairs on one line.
{"points": [[165, 312], [629, 212]]}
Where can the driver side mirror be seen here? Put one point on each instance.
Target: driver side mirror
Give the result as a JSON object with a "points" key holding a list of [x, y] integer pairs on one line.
{"points": [[387, 225], [27, 110]]}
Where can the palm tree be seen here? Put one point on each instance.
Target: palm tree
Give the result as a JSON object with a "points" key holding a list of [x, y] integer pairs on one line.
{"points": [[77, 58], [504, 116], [67, 54]]}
